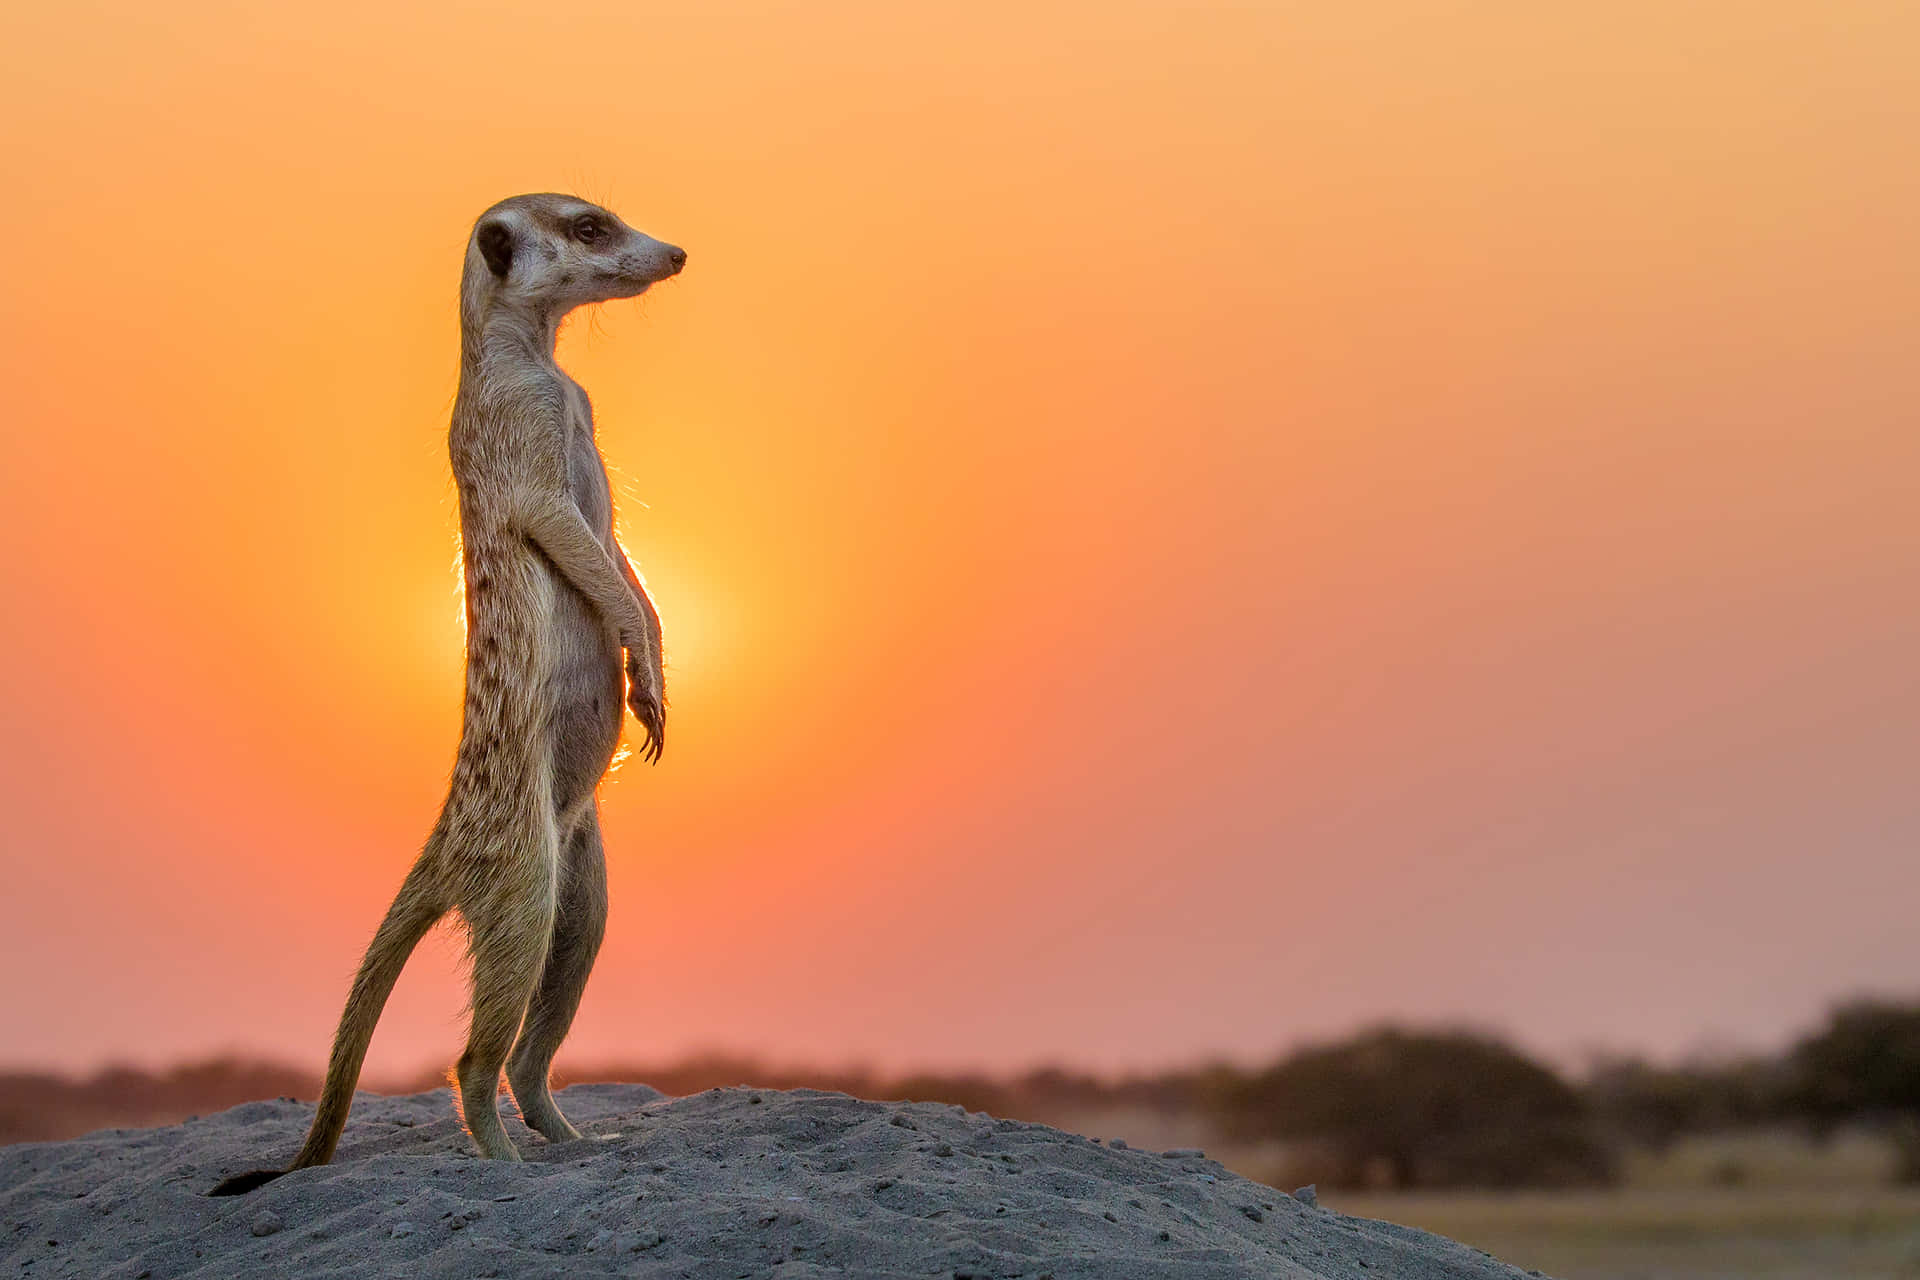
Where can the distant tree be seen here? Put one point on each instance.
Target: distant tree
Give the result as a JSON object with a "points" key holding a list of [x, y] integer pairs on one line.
{"points": [[1863, 1067], [1864, 1062], [1412, 1109], [1653, 1106]]}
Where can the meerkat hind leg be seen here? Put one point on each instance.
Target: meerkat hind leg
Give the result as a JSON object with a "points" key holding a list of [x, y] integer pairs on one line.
{"points": [[509, 933], [580, 922]]}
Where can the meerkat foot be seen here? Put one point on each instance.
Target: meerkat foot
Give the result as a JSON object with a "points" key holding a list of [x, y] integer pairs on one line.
{"points": [[544, 1118], [480, 1110], [535, 1100]]}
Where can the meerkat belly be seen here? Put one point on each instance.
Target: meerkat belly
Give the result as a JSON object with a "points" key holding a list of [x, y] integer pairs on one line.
{"points": [[585, 684], [585, 691]]}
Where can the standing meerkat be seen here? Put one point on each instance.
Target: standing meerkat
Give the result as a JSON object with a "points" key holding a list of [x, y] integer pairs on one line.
{"points": [[551, 604]]}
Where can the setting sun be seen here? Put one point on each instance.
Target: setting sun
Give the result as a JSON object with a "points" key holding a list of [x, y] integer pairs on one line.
{"points": [[1145, 500]]}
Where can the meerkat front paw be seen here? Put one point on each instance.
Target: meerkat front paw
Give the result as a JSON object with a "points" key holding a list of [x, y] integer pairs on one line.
{"points": [[647, 700]]}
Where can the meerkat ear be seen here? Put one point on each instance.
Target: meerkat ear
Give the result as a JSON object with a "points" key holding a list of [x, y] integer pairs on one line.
{"points": [[496, 246]]}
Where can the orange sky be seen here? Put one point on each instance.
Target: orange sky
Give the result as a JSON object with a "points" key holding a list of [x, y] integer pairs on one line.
{"points": [[1180, 527]]}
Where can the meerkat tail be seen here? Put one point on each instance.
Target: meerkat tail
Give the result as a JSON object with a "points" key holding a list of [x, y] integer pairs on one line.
{"points": [[415, 910]]}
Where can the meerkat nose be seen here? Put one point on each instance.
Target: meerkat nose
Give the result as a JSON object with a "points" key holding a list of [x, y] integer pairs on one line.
{"points": [[678, 257]]}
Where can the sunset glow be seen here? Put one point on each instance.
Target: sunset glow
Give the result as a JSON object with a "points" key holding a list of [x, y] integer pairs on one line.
{"points": [[1179, 528]]}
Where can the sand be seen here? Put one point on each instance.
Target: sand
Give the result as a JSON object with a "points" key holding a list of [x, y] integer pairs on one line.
{"points": [[728, 1183]]}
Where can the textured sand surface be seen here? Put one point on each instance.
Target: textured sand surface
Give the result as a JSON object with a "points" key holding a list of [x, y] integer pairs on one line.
{"points": [[730, 1183]]}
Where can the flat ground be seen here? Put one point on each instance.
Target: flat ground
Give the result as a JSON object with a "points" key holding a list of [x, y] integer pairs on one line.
{"points": [[1699, 1234], [1748, 1205], [1740, 1206]]}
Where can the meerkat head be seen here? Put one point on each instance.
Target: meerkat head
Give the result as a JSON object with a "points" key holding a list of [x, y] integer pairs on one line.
{"points": [[553, 253]]}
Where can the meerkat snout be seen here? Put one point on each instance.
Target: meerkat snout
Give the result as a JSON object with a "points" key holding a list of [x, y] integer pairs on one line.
{"points": [[653, 261], [558, 252]]}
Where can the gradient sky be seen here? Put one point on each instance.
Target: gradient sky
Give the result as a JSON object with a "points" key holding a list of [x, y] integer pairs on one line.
{"points": [[1180, 527]]}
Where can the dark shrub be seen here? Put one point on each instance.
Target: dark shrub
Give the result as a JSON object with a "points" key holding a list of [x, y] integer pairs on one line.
{"points": [[1424, 1109]]}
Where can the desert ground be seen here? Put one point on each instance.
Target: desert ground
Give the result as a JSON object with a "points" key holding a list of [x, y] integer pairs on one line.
{"points": [[1761, 1205], [1697, 1234], [727, 1183], [1757, 1205]]}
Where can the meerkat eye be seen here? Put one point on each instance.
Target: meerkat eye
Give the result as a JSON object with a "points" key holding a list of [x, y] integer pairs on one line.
{"points": [[587, 229]]}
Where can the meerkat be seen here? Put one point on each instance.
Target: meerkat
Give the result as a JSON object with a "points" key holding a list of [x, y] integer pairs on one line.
{"points": [[552, 602]]}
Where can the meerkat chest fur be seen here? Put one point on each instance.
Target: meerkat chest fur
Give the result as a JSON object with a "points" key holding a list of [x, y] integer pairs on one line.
{"points": [[542, 663], [584, 685], [586, 468]]}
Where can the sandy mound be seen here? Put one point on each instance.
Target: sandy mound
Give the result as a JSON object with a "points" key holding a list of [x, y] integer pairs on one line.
{"points": [[730, 1183]]}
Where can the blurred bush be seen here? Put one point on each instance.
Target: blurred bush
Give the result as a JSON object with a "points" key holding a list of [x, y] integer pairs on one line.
{"points": [[1865, 1062], [1654, 1106], [1394, 1109], [1862, 1067]]}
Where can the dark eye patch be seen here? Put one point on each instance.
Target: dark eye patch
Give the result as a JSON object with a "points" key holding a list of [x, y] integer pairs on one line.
{"points": [[588, 229]]}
